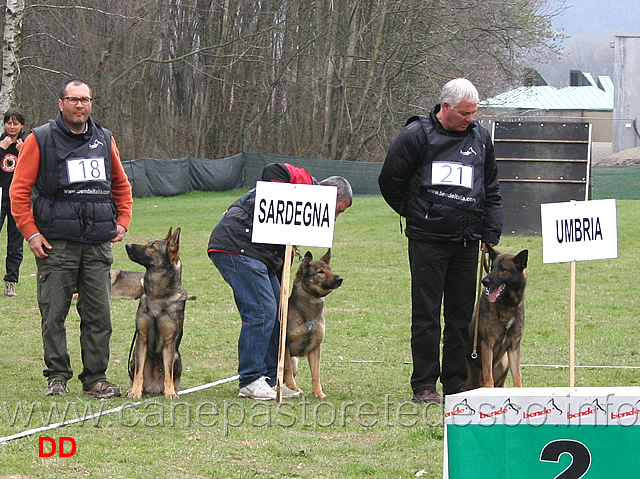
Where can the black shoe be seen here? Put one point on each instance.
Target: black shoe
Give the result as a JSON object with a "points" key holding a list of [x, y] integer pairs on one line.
{"points": [[462, 389], [428, 395]]}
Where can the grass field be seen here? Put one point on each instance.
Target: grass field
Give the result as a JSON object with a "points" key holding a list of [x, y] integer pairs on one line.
{"points": [[366, 427]]}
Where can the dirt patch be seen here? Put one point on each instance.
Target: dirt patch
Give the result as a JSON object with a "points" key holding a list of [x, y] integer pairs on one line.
{"points": [[622, 158]]}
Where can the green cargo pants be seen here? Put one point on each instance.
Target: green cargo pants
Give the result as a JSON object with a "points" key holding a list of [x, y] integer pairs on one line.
{"points": [[72, 265]]}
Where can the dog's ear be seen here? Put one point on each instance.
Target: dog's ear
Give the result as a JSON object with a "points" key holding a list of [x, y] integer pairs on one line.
{"points": [[520, 259], [168, 238], [327, 256], [492, 252], [308, 257], [173, 243]]}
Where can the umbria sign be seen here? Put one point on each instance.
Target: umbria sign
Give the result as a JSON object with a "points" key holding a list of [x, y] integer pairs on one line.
{"points": [[579, 230]]}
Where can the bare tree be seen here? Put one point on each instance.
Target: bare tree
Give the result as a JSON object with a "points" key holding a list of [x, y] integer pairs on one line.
{"points": [[14, 12], [315, 78]]}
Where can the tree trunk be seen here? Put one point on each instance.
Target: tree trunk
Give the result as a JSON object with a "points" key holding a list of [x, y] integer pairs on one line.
{"points": [[14, 12]]}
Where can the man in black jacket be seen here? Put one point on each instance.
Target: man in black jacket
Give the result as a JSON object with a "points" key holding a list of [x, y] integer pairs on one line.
{"points": [[251, 269], [440, 173]]}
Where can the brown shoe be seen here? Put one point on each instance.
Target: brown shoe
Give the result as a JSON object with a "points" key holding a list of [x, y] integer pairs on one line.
{"points": [[57, 387], [428, 395], [102, 390]]}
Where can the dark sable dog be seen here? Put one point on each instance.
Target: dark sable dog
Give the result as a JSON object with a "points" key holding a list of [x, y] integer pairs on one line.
{"points": [[305, 321], [500, 322], [155, 366]]}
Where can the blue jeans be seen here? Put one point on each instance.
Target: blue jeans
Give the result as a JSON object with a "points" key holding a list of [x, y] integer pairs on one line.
{"points": [[257, 294]]}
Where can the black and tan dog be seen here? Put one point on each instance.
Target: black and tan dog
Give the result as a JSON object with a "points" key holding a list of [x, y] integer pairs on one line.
{"points": [[500, 322], [305, 321], [155, 366]]}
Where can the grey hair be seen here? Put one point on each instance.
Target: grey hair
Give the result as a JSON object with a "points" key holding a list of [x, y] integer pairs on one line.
{"points": [[457, 90], [344, 187]]}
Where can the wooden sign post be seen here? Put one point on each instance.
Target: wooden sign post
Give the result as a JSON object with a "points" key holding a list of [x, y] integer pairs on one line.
{"points": [[578, 231], [289, 214]]}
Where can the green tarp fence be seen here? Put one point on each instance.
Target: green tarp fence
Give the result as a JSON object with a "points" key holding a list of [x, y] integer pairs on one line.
{"points": [[150, 177]]}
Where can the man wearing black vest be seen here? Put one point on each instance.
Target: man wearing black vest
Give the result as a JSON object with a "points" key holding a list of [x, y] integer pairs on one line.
{"points": [[440, 174], [83, 205]]}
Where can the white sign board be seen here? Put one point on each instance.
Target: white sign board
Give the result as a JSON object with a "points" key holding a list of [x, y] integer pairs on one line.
{"points": [[579, 230], [288, 214]]}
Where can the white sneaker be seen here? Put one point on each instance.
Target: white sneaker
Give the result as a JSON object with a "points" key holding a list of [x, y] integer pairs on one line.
{"points": [[287, 392], [258, 389]]}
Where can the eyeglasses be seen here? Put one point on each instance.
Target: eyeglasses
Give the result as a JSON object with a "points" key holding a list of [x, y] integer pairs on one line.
{"points": [[74, 101]]}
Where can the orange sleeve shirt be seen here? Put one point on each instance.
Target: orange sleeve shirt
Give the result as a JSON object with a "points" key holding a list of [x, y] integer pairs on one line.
{"points": [[26, 174]]}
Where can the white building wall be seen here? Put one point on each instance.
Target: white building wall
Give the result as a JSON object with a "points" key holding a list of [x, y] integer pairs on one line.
{"points": [[626, 102]]}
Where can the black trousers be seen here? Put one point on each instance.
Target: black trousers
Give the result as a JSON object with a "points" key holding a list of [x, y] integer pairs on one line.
{"points": [[15, 242], [441, 270]]}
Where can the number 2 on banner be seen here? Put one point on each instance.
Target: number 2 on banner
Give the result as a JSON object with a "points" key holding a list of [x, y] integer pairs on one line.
{"points": [[453, 174], [86, 169], [580, 454]]}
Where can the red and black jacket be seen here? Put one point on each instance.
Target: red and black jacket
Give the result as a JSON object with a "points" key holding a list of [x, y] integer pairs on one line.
{"points": [[233, 232]]}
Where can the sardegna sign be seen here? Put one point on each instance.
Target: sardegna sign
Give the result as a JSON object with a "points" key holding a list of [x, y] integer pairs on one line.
{"points": [[290, 214]]}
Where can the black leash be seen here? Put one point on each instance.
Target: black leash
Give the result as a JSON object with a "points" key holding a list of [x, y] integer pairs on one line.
{"points": [[133, 342]]}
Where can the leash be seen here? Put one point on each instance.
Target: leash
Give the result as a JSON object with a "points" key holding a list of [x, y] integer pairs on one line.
{"points": [[482, 268], [133, 342]]}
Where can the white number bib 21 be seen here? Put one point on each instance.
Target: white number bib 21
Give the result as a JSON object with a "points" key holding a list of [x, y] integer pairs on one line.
{"points": [[452, 174], [86, 169]]}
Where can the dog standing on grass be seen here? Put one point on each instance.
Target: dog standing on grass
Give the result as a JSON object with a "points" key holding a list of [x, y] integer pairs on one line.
{"points": [[155, 366], [500, 322], [305, 321]]}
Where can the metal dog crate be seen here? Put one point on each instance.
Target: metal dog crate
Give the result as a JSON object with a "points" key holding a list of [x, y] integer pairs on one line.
{"points": [[540, 162]]}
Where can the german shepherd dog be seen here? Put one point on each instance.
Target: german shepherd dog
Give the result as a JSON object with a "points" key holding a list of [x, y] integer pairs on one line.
{"points": [[500, 322], [305, 321], [155, 366], [126, 284]]}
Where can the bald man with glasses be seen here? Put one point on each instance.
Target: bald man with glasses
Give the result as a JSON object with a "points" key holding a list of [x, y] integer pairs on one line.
{"points": [[83, 205]]}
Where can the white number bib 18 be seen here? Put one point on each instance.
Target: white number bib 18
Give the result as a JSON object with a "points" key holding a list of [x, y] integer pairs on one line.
{"points": [[86, 169], [452, 174]]}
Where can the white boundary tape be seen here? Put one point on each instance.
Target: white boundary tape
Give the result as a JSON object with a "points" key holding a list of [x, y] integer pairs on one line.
{"points": [[29, 432], [564, 366], [556, 366]]}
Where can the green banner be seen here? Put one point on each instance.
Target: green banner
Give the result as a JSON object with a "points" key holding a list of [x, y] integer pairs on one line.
{"points": [[543, 452]]}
